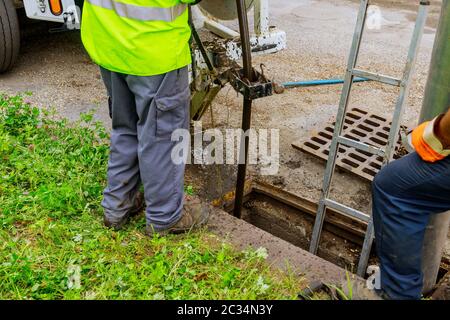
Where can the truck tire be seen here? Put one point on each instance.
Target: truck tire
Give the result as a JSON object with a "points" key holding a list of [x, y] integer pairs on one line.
{"points": [[9, 35]]}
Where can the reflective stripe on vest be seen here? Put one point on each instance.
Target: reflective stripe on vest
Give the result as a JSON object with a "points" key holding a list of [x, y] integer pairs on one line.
{"points": [[141, 13]]}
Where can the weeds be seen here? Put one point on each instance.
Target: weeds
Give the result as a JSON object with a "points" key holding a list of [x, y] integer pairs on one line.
{"points": [[52, 241], [344, 294]]}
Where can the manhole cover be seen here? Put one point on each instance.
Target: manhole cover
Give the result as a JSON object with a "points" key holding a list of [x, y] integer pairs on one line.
{"points": [[361, 126]]}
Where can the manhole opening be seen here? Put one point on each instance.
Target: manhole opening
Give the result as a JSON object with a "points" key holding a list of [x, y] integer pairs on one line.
{"points": [[293, 223], [291, 218]]}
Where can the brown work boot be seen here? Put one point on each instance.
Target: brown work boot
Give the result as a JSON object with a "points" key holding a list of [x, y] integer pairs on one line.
{"points": [[139, 205], [195, 215]]}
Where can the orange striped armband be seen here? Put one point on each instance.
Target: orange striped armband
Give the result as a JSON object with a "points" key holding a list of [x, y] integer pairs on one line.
{"points": [[426, 144]]}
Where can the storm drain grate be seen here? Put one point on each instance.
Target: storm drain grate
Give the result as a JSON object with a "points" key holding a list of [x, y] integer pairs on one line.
{"points": [[361, 126]]}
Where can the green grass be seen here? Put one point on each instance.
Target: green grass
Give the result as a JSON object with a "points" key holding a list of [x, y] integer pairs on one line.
{"points": [[52, 241], [344, 293]]}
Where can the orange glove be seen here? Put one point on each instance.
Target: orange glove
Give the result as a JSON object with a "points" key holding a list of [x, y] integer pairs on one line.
{"points": [[427, 144]]}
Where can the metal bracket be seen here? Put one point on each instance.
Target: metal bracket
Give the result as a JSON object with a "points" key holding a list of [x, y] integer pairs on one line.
{"points": [[251, 90]]}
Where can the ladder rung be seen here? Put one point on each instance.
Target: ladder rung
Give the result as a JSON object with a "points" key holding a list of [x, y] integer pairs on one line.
{"points": [[361, 146], [347, 210], [377, 77]]}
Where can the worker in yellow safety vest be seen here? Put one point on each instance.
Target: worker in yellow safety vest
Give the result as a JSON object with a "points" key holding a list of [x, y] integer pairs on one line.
{"points": [[142, 48]]}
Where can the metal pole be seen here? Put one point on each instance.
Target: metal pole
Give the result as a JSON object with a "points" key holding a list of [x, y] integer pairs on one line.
{"points": [[436, 101], [261, 17], [247, 109]]}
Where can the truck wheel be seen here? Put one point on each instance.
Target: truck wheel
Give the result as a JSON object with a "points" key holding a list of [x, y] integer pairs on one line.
{"points": [[9, 35]]}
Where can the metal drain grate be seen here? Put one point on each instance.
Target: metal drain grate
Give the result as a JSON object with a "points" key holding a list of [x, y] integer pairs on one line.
{"points": [[360, 126]]}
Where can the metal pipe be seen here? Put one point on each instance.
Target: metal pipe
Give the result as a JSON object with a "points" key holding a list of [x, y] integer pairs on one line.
{"points": [[191, 44], [202, 49], [436, 101], [437, 91], [245, 40], [261, 23], [310, 83], [220, 29], [247, 108]]}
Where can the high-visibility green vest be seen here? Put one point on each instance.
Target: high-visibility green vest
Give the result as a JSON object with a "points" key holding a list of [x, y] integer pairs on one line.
{"points": [[137, 37]]}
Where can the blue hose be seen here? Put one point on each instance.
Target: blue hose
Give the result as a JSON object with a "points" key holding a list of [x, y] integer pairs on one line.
{"points": [[319, 82]]}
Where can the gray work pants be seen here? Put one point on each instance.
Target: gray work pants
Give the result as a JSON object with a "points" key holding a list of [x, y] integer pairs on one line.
{"points": [[145, 111]]}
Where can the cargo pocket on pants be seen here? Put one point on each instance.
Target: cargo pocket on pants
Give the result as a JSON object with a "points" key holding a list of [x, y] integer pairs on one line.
{"points": [[171, 113]]}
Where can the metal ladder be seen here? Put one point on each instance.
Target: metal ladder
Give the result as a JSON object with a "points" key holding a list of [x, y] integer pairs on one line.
{"points": [[404, 83]]}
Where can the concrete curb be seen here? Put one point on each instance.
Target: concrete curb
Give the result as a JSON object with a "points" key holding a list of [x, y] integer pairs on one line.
{"points": [[281, 254]]}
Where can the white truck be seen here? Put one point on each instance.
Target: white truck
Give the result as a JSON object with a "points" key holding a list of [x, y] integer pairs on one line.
{"points": [[210, 14], [66, 12]]}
